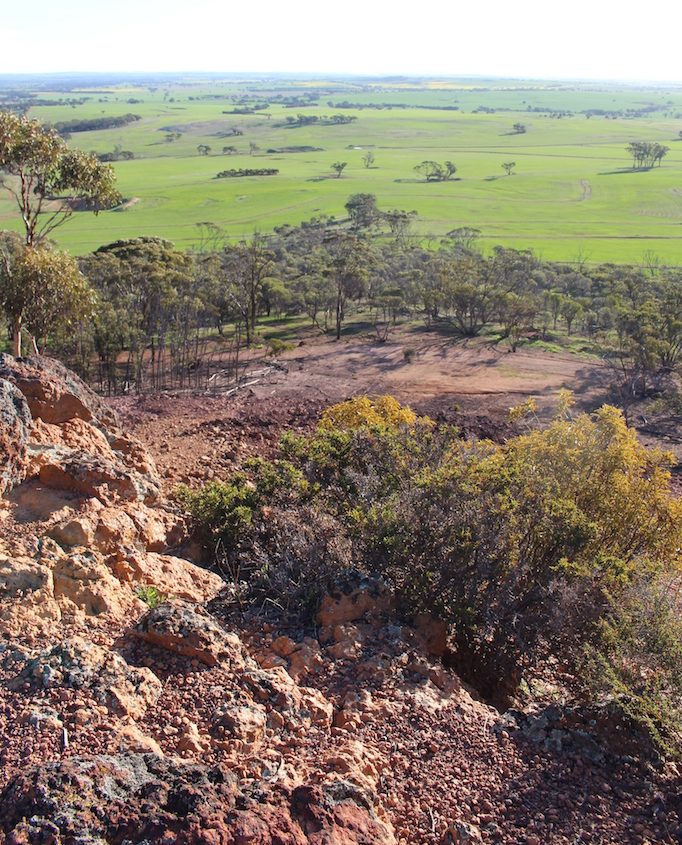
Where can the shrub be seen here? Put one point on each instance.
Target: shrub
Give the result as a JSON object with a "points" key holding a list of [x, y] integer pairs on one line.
{"points": [[150, 596], [558, 545], [636, 660], [277, 347], [222, 511]]}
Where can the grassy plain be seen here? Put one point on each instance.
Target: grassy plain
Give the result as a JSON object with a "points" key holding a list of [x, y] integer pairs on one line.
{"points": [[572, 196]]}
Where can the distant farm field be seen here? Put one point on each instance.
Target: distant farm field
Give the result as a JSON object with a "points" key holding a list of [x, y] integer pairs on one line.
{"points": [[571, 197]]}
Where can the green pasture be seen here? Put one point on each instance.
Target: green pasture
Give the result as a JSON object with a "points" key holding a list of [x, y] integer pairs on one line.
{"points": [[572, 196]]}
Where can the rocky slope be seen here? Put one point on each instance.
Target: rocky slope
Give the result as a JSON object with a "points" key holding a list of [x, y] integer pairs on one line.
{"points": [[133, 710]]}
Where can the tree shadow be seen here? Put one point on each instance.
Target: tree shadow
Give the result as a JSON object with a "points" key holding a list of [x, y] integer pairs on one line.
{"points": [[625, 170]]}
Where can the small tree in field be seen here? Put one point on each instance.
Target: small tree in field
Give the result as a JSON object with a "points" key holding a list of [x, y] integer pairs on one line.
{"points": [[339, 167], [368, 158], [508, 167], [203, 149]]}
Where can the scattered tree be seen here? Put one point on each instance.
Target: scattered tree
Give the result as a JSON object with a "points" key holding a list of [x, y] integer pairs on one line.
{"points": [[508, 167], [368, 159], [339, 167], [433, 171]]}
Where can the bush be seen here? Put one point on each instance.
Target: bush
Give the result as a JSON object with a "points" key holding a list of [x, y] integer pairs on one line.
{"points": [[221, 511], [150, 596], [636, 660], [552, 546]]}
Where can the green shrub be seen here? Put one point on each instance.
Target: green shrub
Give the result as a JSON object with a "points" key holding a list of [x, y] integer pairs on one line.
{"points": [[222, 511], [150, 595], [636, 660]]}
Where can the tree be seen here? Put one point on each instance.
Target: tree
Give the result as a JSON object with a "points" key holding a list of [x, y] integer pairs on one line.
{"points": [[368, 158], [253, 148], [229, 150], [430, 170], [339, 167], [646, 154], [508, 167], [363, 211], [519, 128], [247, 267], [349, 261], [39, 289], [47, 180], [464, 237], [203, 149], [433, 171]]}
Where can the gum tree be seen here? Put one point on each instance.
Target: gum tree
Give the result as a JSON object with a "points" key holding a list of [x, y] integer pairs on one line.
{"points": [[47, 179]]}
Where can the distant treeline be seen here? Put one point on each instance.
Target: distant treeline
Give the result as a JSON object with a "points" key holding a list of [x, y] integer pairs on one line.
{"points": [[346, 104], [94, 123], [247, 171], [301, 149], [117, 155], [316, 120]]}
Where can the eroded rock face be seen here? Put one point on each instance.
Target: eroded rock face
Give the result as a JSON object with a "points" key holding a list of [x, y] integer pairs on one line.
{"points": [[54, 393], [144, 797], [15, 426]]}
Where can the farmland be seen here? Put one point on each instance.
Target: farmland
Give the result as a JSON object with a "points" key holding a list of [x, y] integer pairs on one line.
{"points": [[572, 195]]}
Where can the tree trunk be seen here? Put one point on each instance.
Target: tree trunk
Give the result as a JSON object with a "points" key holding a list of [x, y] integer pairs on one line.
{"points": [[16, 337]]}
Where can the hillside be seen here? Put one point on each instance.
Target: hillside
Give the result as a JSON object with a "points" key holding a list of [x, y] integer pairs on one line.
{"points": [[137, 705]]}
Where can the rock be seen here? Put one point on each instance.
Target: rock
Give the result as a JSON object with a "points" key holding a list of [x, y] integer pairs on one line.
{"points": [[76, 663], [173, 577], [369, 596], [54, 394], [190, 632], [241, 721], [461, 833], [92, 475], [112, 528], [305, 659], [295, 706], [145, 798], [132, 739], [15, 425], [191, 740], [83, 581], [339, 813], [433, 633]]}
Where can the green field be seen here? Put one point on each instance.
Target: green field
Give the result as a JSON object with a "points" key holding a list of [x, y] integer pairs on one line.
{"points": [[571, 198]]}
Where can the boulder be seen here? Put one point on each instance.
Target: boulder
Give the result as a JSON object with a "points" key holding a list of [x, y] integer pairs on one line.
{"points": [[15, 426], [54, 394], [368, 596], [191, 632], [172, 577], [126, 690], [92, 475]]}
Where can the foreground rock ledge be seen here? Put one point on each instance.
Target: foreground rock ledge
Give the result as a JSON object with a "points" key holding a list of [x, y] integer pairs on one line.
{"points": [[146, 798]]}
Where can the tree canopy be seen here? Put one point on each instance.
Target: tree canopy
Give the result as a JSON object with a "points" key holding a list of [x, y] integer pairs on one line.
{"points": [[48, 180]]}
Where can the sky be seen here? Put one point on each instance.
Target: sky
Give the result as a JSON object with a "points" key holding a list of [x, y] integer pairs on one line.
{"points": [[578, 39]]}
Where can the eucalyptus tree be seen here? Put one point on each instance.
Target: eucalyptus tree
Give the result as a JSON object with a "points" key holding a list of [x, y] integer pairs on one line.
{"points": [[46, 179]]}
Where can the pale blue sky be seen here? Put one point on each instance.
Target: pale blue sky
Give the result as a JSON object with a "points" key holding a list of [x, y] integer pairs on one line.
{"points": [[539, 38]]}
